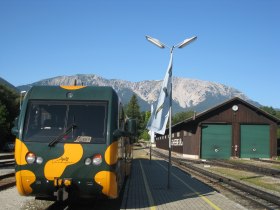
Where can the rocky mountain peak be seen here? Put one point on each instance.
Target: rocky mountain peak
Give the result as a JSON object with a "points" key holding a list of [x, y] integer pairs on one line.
{"points": [[188, 94]]}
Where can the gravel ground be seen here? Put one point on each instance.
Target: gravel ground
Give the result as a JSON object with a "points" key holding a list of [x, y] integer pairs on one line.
{"points": [[11, 200]]}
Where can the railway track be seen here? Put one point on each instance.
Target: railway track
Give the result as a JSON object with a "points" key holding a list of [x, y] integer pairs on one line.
{"points": [[256, 197], [7, 163], [268, 161], [246, 167], [7, 172], [7, 181], [241, 166], [5, 156]]}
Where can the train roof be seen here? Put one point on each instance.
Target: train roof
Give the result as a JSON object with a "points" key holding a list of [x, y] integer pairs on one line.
{"points": [[71, 93]]}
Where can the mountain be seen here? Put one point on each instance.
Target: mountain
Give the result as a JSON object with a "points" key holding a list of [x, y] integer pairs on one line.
{"points": [[7, 84], [188, 94]]}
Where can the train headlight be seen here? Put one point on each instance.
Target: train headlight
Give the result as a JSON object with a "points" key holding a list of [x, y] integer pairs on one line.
{"points": [[30, 158], [87, 161], [39, 160], [97, 159]]}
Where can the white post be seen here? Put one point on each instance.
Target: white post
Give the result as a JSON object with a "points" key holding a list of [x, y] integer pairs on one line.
{"points": [[170, 144], [170, 124]]}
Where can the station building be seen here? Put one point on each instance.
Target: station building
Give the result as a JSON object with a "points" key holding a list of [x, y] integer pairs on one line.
{"points": [[233, 129]]}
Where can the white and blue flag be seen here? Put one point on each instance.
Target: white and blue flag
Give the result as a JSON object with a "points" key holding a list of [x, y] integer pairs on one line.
{"points": [[160, 114]]}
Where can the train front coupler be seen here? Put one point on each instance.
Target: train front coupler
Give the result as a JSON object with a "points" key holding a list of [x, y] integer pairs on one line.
{"points": [[62, 186]]}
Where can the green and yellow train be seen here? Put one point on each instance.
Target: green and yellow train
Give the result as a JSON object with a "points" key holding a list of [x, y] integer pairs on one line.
{"points": [[72, 141]]}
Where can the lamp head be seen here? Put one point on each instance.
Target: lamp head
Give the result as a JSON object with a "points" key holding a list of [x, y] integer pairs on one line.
{"points": [[155, 42], [186, 42]]}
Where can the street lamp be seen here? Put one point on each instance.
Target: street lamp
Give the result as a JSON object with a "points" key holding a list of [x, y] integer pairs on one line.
{"points": [[180, 45], [161, 45]]}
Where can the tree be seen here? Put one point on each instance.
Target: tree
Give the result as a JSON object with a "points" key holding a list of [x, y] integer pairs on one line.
{"points": [[269, 110], [9, 109], [144, 133], [147, 116], [3, 117], [181, 116], [133, 111]]}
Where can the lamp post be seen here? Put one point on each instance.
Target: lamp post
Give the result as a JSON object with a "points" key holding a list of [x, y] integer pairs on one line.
{"points": [[162, 46]]}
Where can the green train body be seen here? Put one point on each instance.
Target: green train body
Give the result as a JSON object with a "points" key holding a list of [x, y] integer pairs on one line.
{"points": [[72, 141]]}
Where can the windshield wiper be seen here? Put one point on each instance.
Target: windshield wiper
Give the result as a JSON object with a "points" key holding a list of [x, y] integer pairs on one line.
{"points": [[58, 138]]}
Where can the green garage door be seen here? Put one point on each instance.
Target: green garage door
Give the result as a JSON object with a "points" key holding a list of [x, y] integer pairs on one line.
{"points": [[255, 141], [216, 141]]}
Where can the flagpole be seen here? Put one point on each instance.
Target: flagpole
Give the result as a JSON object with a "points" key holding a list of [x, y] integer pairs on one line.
{"points": [[152, 136], [170, 125], [169, 150]]}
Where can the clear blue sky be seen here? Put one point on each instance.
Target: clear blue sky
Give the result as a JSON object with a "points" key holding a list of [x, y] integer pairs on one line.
{"points": [[238, 41]]}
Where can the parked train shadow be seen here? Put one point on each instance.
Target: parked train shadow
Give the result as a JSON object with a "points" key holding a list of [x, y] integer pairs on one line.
{"points": [[57, 205], [87, 204], [90, 204]]}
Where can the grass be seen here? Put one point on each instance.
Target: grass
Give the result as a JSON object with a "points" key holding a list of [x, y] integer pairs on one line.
{"points": [[266, 182]]}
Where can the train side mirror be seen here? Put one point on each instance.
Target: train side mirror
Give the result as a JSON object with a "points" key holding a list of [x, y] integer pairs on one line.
{"points": [[132, 127], [15, 128], [118, 133]]}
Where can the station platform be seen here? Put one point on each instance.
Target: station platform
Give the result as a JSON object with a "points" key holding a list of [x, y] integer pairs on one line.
{"points": [[146, 188]]}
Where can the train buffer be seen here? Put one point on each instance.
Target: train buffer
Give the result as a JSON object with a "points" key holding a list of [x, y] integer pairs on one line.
{"points": [[146, 188]]}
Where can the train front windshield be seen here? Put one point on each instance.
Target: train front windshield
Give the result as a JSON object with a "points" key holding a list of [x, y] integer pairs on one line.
{"points": [[66, 121]]}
